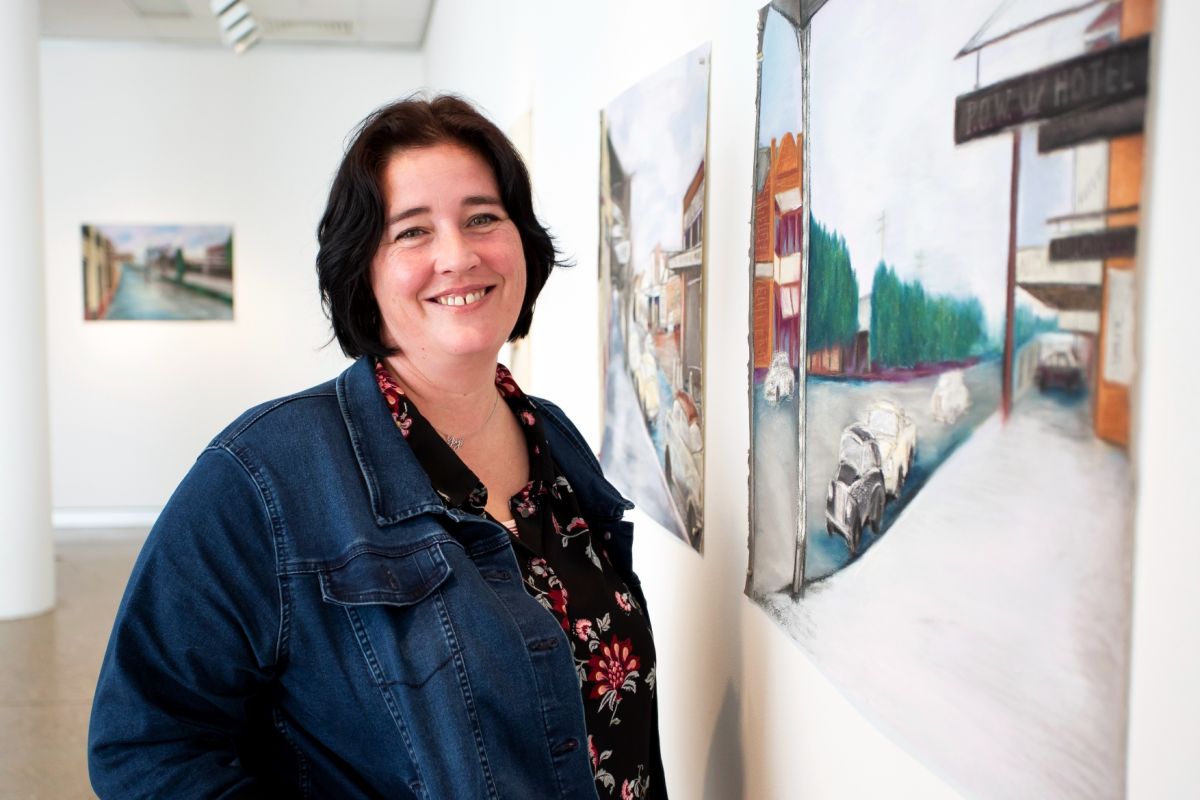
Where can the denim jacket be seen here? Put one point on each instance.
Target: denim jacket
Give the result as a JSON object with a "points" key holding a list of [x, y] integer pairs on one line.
{"points": [[305, 620]]}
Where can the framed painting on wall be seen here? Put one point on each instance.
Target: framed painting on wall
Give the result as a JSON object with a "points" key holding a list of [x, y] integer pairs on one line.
{"points": [[652, 155], [942, 315], [157, 272]]}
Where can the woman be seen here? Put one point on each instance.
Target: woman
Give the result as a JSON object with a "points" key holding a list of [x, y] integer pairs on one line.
{"points": [[412, 581]]}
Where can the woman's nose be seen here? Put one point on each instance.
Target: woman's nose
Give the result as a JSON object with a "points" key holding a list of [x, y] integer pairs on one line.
{"points": [[455, 252]]}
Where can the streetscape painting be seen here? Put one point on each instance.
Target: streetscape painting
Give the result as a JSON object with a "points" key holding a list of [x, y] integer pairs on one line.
{"points": [[157, 272], [652, 154], [946, 208]]}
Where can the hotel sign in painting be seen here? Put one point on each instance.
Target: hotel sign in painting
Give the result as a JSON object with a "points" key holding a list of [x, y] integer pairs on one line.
{"points": [[1085, 83]]}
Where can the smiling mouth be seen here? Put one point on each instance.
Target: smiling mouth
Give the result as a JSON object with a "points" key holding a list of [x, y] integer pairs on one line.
{"points": [[462, 299]]}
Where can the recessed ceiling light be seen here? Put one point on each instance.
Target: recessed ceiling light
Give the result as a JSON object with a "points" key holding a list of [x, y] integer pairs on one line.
{"points": [[239, 29]]}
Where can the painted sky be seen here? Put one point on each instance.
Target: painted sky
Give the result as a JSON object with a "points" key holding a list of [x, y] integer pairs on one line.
{"points": [[780, 92], [659, 128], [192, 239], [884, 79]]}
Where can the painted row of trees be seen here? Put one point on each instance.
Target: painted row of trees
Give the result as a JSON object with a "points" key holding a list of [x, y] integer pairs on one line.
{"points": [[832, 290], [910, 326]]}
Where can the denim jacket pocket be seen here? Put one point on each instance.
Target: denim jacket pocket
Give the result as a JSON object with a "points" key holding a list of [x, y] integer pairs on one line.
{"points": [[396, 611]]}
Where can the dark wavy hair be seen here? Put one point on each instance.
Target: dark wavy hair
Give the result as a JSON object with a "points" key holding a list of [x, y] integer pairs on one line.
{"points": [[352, 226]]}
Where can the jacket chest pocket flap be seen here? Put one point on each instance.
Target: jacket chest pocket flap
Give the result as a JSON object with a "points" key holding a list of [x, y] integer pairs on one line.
{"points": [[396, 611]]}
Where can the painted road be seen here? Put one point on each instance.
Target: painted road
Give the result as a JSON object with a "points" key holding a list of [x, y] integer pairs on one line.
{"points": [[142, 297], [628, 453], [988, 629], [832, 405]]}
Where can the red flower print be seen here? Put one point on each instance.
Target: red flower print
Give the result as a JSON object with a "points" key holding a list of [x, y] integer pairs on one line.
{"points": [[504, 380], [582, 628], [626, 790], [528, 418], [404, 423], [612, 668], [558, 604], [623, 601], [537, 566], [576, 525], [593, 752], [526, 505], [386, 384]]}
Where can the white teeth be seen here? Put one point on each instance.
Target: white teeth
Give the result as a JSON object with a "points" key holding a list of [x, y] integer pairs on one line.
{"points": [[462, 299]]}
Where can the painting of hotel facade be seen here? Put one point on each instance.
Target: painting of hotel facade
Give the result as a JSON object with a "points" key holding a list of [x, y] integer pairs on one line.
{"points": [[157, 272], [652, 156], [942, 327]]}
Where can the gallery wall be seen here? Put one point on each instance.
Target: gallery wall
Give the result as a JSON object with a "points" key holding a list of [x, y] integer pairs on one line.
{"points": [[744, 713], [140, 133]]}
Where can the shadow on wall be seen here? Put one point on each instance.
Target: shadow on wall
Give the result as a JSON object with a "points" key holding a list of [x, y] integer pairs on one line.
{"points": [[724, 778]]}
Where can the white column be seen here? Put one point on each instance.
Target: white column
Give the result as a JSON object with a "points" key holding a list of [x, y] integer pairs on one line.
{"points": [[26, 541]]}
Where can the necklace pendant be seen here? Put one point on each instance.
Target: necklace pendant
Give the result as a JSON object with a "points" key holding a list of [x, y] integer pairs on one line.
{"points": [[454, 442]]}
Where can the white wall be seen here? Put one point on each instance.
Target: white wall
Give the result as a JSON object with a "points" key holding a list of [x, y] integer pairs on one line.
{"points": [[158, 134], [1164, 729], [744, 713]]}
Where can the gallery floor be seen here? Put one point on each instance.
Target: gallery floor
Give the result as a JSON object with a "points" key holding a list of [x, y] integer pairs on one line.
{"points": [[48, 669]]}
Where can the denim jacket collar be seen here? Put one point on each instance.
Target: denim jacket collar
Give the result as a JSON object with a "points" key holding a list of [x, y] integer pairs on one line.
{"points": [[398, 486], [396, 483]]}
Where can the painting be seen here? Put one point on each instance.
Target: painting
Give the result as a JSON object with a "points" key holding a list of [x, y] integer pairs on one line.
{"points": [[157, 272], [652, 155], [942, 320]]}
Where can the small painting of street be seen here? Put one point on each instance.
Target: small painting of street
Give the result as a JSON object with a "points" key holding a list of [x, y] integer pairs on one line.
{"points": [[652, 153], [947, 200], [157, 272]]}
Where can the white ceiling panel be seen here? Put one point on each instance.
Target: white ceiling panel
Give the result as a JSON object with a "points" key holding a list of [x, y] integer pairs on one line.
{"points": [[368, 23]]}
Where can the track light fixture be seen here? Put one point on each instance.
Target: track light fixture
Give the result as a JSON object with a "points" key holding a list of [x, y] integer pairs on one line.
{"points": [[239, 30]]}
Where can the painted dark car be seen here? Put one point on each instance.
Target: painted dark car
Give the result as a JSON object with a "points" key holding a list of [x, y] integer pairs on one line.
{"points": [[1059, 369], [856, 495]]}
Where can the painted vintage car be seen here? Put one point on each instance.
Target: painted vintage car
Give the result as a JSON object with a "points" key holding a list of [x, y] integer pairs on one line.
{"points": [[683, 459], [950, 398], [780, 382], [856, 497], [1059, 369], [896, 435], [646, 383]]}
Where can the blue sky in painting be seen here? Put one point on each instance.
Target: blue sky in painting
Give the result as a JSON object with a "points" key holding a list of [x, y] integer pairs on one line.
{"points": [[192, 239], [659, 128], [781, 81]]}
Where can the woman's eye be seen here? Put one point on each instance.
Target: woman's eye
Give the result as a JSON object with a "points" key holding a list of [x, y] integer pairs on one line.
{"points": [[482, 219], [409, 233]]}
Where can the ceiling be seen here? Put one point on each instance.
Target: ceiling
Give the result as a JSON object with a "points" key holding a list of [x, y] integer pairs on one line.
{"points": [[354, 23]]}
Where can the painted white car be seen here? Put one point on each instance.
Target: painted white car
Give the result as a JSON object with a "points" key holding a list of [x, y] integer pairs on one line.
{"points": [[950, 397], [896, 435], [646, 379], [683, 459], [780, 381]]}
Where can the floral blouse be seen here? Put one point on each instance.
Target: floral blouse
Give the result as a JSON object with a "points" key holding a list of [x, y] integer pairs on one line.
{"points": [[564, 571]]}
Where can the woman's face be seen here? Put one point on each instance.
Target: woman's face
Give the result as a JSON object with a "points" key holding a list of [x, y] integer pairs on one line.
{"points": [[449, 275]]}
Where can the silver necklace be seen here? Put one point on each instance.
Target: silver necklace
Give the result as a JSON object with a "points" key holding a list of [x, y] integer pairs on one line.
{"points": [[456, 442]]}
